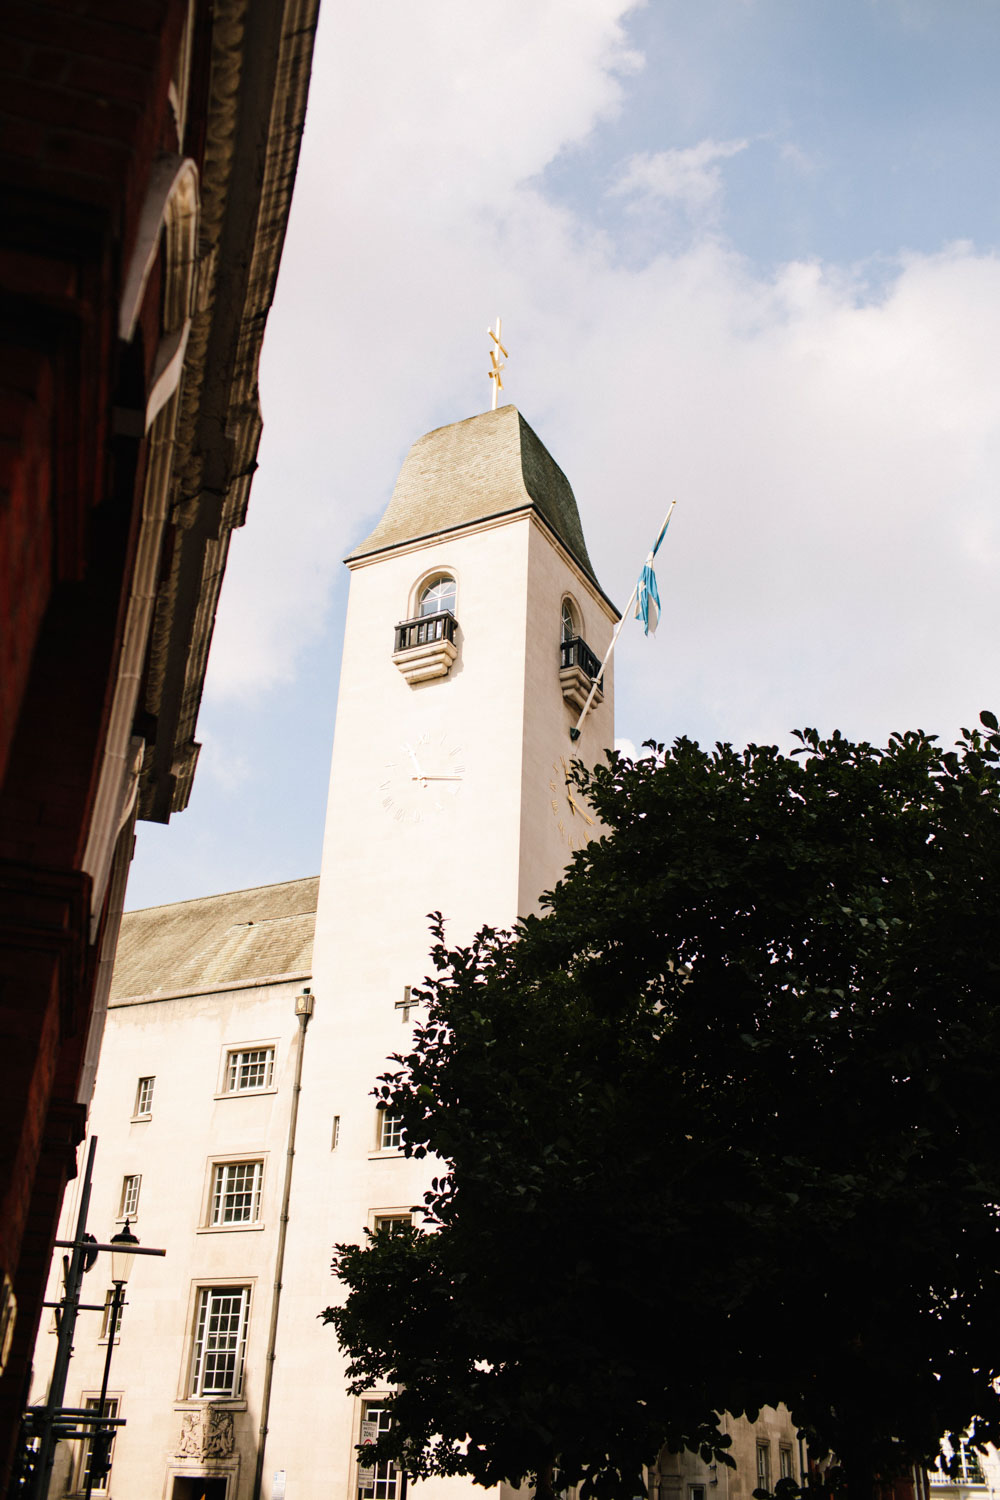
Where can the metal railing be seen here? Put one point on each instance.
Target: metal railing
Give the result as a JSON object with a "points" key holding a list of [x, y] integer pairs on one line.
{"points": [[576, 653], [425, 630]]}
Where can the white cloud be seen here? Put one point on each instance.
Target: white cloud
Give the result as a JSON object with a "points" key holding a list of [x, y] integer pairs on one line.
{"points": [[833, 442], [690, 177]]}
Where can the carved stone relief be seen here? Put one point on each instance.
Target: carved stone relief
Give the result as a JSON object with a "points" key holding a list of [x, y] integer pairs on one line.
{"points": [[206, 1434]]}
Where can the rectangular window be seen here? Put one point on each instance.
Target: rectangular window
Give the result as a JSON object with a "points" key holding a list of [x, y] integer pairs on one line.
{"points": [[106, 1331], [100, 1484], [220, 1341], [249, 1068], [764, 1466], [144, 1097], [696, 1492], [785, 1462], [335, 1133], [381, 1481], [969, 1469], [130, 1196], [236, 1192], [391, 1222], [390, 1131]]}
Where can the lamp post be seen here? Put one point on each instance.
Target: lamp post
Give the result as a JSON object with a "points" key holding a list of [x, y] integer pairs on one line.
{"points": [[46, 1423], [123, 1246]]}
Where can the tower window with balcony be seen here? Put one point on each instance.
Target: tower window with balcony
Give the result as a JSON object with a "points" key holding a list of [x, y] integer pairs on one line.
{"points": [[424, 645], [579, 667]]}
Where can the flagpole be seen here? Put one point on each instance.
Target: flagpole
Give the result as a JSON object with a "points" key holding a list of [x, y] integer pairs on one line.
{"points": [[574, 733]]}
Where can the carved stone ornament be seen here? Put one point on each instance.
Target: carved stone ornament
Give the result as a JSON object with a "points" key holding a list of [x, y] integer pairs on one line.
{"points": [[206, 1434]]}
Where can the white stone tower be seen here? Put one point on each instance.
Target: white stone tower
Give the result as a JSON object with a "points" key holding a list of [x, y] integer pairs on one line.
{"points": [[474, 626], [474, 631]]}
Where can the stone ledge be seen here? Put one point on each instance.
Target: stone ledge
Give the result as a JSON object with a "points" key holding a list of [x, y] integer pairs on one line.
{"points": [[576, 687], [420, 663]]}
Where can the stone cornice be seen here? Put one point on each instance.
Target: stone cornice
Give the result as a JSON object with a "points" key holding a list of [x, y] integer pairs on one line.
{"points": [[261, 59]]}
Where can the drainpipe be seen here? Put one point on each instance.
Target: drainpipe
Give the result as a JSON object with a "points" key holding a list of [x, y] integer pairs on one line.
{"points": [[303, 1009]]}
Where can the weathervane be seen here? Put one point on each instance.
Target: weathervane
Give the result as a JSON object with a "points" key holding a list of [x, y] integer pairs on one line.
{"points": [[496, 363]]}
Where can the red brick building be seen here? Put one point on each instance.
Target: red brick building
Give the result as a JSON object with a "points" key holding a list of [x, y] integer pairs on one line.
{"points": [[147, 154]]}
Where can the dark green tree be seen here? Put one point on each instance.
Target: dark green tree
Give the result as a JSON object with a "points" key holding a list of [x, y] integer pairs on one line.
{"points": [[719, 1129]]}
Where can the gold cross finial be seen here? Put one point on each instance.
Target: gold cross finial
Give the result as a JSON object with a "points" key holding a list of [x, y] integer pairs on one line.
{"points": [[496, 362]]}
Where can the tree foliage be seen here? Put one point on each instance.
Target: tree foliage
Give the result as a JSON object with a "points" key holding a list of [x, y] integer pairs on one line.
{"points": [[717, 1130]]}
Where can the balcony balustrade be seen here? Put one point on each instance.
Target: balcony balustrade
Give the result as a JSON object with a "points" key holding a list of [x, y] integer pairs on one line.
{"points": [[425, 647], [579, 668]]}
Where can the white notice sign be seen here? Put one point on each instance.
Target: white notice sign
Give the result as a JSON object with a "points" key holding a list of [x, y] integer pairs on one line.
{"points": [[278, 1487], [366, 1473]]}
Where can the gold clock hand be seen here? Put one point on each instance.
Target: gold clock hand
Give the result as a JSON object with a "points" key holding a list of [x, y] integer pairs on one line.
{"points": [[578, 809]]}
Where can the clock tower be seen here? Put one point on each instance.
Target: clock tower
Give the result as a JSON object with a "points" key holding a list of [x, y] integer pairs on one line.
{"points": [[475, 628]]}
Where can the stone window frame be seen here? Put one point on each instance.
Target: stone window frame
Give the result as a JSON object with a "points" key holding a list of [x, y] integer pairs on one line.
{"points": [[237, 1049], [220, 1160]]}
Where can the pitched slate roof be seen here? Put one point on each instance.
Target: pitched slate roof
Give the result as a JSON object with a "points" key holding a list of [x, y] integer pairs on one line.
{"points": [[490, 465], [216, 940]]}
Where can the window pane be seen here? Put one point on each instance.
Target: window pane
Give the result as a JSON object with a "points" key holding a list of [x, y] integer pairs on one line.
{"points": [[236, 1192], [130, 1197], [220, 1341], [144, 1096], [384, 1485], [392, 1222], [106, 1331], [437, 596], [91, 1403], [252, 1069], [390, 1131]]}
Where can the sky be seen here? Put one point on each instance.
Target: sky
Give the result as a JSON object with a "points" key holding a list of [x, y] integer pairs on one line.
{"points": [[746, 256]]}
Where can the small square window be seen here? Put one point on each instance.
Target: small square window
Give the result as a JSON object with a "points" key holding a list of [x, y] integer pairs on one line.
{"points": [[391, 1222], [144, 1098], [130, 1196], [249, 1068], [390, 1131], [236, 1192]]}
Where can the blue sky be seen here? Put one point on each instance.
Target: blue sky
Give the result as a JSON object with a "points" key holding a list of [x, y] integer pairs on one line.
{"points": [[746, 256]]}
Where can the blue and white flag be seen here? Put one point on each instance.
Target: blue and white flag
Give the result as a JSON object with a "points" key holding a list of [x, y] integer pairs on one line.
{"points": [[647, 595]]}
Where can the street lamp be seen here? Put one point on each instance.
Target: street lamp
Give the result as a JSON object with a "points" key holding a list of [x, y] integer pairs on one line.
{"points": [[44, 1425], [122, 1255], [123, 1248]]}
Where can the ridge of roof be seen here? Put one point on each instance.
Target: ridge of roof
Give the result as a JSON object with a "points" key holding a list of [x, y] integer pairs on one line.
{"points": [[247, 890]]}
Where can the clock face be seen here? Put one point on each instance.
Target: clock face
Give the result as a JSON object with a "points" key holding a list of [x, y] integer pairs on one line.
{"points": [[575, 824], [424, 776]]}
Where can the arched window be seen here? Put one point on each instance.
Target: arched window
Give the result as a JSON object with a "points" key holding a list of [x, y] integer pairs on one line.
{"points": [[569, 627], [437, 595]]}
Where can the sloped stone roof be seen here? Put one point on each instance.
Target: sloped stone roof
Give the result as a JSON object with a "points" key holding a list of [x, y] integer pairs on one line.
{"points": [[217, 940], [490, 465]]}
